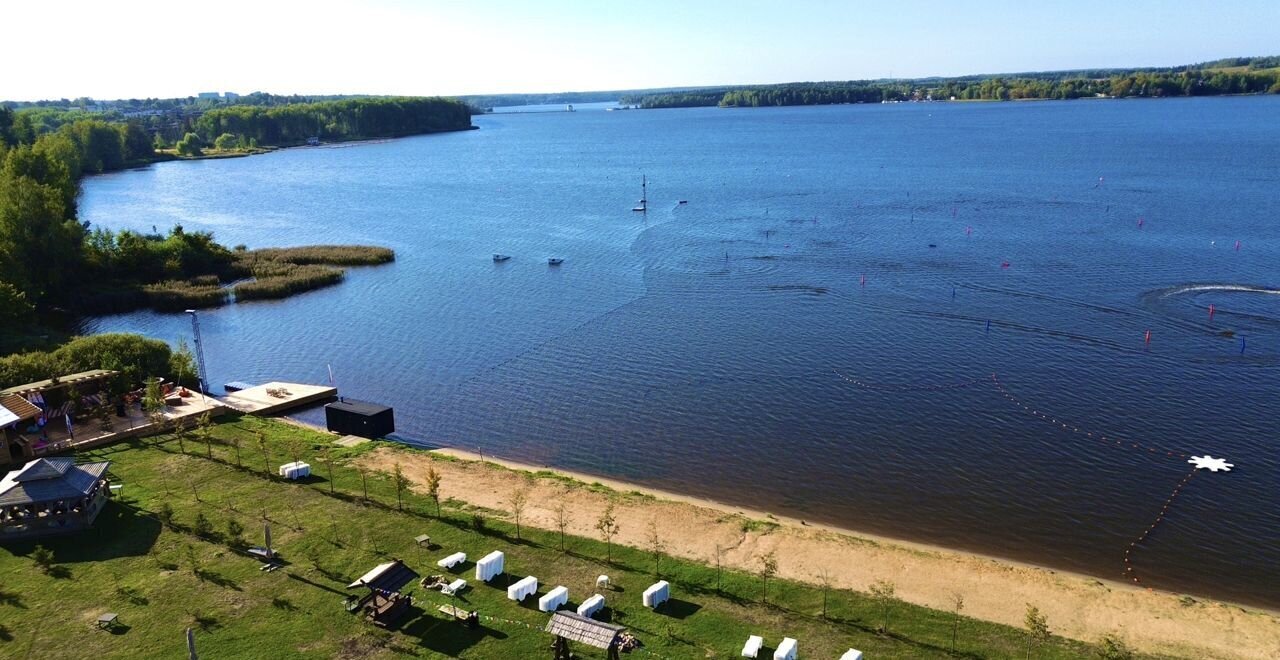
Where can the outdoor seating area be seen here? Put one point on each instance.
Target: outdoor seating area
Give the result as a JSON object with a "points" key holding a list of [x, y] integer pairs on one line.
{"points": [[569, 627], [79, 411], [384, 604]]}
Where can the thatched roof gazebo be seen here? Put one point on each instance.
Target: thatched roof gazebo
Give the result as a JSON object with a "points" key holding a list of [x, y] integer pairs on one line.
{"points": [[572, 627]]}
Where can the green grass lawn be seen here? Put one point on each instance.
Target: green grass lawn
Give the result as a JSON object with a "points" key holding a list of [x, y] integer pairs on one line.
{"points": [[163, 579]]}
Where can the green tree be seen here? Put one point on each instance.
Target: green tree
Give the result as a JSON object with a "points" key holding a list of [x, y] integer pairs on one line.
{"points": [[518, 499], [561, 512], [189, 145], [882, 592], [768, 569], [656, 545], [607, 525], [42, 557], [225, 142], [433, 487], [401, 482], [1113, 648], [1037, 626]]}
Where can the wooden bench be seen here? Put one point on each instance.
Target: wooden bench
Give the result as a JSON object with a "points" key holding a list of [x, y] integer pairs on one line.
{"points": [[108, 620]]}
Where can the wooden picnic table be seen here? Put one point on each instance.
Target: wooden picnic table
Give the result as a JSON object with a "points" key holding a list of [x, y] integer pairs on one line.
{"points": [[107, 620], [422, 540]]}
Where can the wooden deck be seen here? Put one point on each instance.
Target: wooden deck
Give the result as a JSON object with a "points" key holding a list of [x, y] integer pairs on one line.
{"points": [[90, 433], [277, 397]]}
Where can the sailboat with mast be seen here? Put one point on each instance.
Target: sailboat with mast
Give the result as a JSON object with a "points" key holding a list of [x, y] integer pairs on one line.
{"points": [[644, 196]]}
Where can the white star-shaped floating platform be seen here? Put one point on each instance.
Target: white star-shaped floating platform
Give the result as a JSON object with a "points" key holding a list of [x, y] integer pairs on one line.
{"points": [[1207, 462]]}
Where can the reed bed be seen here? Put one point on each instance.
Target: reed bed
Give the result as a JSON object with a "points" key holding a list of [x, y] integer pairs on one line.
{"points": [[332, 255], [175, 295], [273, 280]]}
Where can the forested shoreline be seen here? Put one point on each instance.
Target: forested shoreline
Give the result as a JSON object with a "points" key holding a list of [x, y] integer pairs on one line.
{"points": [[52, 262], [1258, 75]]}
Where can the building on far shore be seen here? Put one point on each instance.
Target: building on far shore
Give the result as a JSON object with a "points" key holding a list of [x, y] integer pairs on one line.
{"points": [[51, 496]]}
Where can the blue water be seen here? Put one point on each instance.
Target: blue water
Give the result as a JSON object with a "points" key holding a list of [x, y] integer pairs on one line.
{"points": [[696, 347]]}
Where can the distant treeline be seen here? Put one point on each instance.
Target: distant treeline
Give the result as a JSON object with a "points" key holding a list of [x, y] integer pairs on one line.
{"points": [[293, 124], [1229, 76]]}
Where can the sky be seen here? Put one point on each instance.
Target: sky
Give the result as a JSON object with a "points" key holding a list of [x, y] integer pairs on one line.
{"points": [[167, 48]]}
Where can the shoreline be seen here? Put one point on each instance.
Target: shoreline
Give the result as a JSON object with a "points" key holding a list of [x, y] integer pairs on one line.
{"points": [[1079, 606]]}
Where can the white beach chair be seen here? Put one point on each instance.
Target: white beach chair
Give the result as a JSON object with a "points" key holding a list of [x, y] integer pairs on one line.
{"points": [[752, 648], [602, 582], [455, 587], [786, 650]]}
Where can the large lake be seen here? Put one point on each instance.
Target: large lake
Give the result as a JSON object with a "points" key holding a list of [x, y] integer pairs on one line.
{"points": [[710, 347]]}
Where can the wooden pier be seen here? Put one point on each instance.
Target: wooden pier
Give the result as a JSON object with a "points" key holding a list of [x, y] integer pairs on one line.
{"points": [[276, 397]]}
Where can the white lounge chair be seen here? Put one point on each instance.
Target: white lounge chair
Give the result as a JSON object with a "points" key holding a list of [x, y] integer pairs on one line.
{"points": [[455, 587], [786, 650], [602, 582], [752, 648]]}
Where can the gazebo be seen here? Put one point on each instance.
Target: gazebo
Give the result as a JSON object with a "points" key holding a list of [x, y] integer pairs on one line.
{"points": [[384, 604], [572, 627], [50, 496]]}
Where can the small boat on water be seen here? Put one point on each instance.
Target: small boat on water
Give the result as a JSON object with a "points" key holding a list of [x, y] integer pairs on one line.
{"points": [[554, 261], [499, 258], [644, 196]]}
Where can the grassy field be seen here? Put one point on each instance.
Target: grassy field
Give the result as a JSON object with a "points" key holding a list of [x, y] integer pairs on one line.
{"points": [[162, 578]]}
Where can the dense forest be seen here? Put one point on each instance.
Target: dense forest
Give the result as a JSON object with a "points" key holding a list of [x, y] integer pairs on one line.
{"points": [[334, 120], [1244, 75], [51, 261]]}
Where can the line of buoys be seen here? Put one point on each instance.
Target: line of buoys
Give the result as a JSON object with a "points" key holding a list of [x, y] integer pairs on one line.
{"points": [[907, 388], [1078, 431], [1164, 510]]}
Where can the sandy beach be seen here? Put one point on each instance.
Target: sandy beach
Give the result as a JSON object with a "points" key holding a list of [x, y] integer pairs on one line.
{"points": [[1077, 606]]}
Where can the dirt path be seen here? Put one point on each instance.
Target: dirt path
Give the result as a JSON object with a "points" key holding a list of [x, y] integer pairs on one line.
{"points": [[996, 590]]}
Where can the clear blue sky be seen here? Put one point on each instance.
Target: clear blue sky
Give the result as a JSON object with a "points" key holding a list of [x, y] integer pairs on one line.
{"points": [[137, 48]]}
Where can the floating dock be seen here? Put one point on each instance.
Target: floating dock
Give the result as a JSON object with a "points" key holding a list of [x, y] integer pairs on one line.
{"points": [[276, 397]]}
